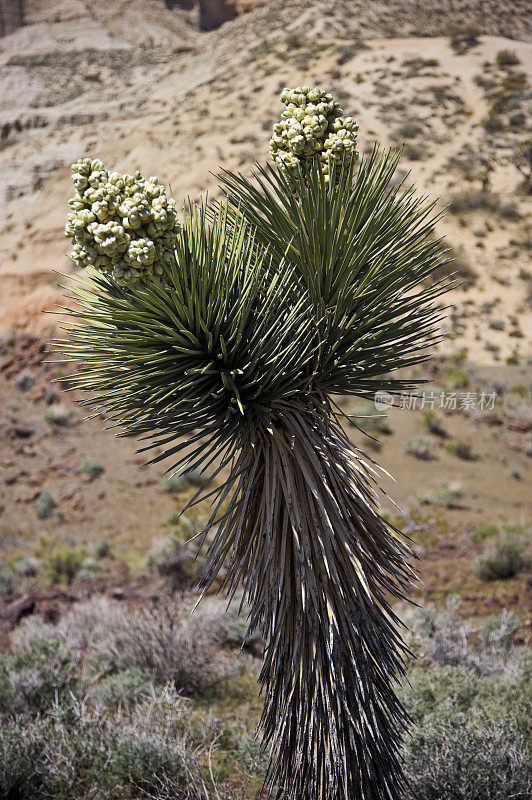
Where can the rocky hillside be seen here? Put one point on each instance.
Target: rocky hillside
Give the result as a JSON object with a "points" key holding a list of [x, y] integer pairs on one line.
{"points": [[139, 85]]}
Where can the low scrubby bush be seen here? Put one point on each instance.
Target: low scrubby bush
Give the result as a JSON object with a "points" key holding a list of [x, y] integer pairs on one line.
{"points": [[166, 643], [471, 756], [482, 532], [83, 751], [6, 579], [433, 423], [507, 58], [27, 566], [59, 415], [41, 667], [471, 702], [92, 467], [460, 449], [449, 498], [44, 507], [63, 564], [505, 560], [420, 447], [366, 417], [174, 561]]}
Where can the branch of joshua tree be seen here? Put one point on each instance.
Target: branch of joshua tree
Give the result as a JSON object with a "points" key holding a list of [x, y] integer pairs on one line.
{"points": [[363, 249]]}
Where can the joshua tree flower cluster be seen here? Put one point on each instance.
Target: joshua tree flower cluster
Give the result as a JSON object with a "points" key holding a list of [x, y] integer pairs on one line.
{"points": [[312, 124], [221, 341], [120, 224]]}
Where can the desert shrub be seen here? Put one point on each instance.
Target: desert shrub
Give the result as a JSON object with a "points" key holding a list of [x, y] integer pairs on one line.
{"points": [[517, 120], [92, 467], [498, 630], [198, 477], [459, 268], [507, 58], [27, 566], [442, 638], [82, 751], [166, 643], [366, 417], [482, 532], [408, 130], [62, 564], [483, 201], [415, 65], [433, 423], [473, 756], [88, 570], [175, 484], [449, 498], [59, 414], [463, 38], [420, 447], [44, 507], [253, 755], [439, 639], [416, 151], [456, 378], [102, 549], [41, 665], [123, 687], [348, 51], [20, 750], [6, 579], [174, 561], [493, 123], [505, 560], [460, 449]]}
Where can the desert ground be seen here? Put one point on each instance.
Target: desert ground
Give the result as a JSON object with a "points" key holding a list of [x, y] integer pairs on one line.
{"points": [[88, 530]]}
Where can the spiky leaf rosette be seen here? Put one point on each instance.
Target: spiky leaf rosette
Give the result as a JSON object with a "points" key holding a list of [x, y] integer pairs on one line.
{"points": [[200, 359], [364, 250]]}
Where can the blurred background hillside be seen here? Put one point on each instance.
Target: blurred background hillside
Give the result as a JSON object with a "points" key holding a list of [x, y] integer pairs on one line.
{"points": [[95, 563]]}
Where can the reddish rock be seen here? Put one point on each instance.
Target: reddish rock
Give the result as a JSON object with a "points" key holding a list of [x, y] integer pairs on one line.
{"points": [[19, 608], [520, 425]]}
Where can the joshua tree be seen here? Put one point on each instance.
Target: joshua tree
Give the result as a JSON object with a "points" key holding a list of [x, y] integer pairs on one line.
{"points": [[223, 340]]}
